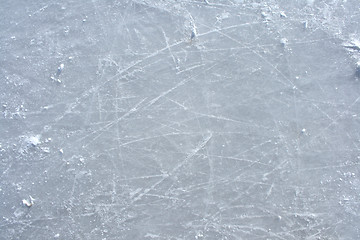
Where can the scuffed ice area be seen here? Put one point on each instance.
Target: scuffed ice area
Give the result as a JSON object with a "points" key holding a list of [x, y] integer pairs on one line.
{"points": [[148, 119]]}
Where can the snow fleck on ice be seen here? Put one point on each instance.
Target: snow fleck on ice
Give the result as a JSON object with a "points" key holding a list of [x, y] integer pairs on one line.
{"points": [[33, 140]]}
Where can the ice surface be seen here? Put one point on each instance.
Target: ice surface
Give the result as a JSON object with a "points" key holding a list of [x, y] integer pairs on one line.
{"points": [[199, 119]]}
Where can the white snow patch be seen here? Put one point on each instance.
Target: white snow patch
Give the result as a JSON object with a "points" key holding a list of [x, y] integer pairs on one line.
{"points": [[33, 140]]}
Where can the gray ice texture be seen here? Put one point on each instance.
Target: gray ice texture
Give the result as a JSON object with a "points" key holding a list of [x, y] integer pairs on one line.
{"points": [[180, 119]]}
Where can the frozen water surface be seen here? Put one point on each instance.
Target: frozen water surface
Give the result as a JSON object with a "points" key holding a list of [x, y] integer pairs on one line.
{"points": [[147, 119]]}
